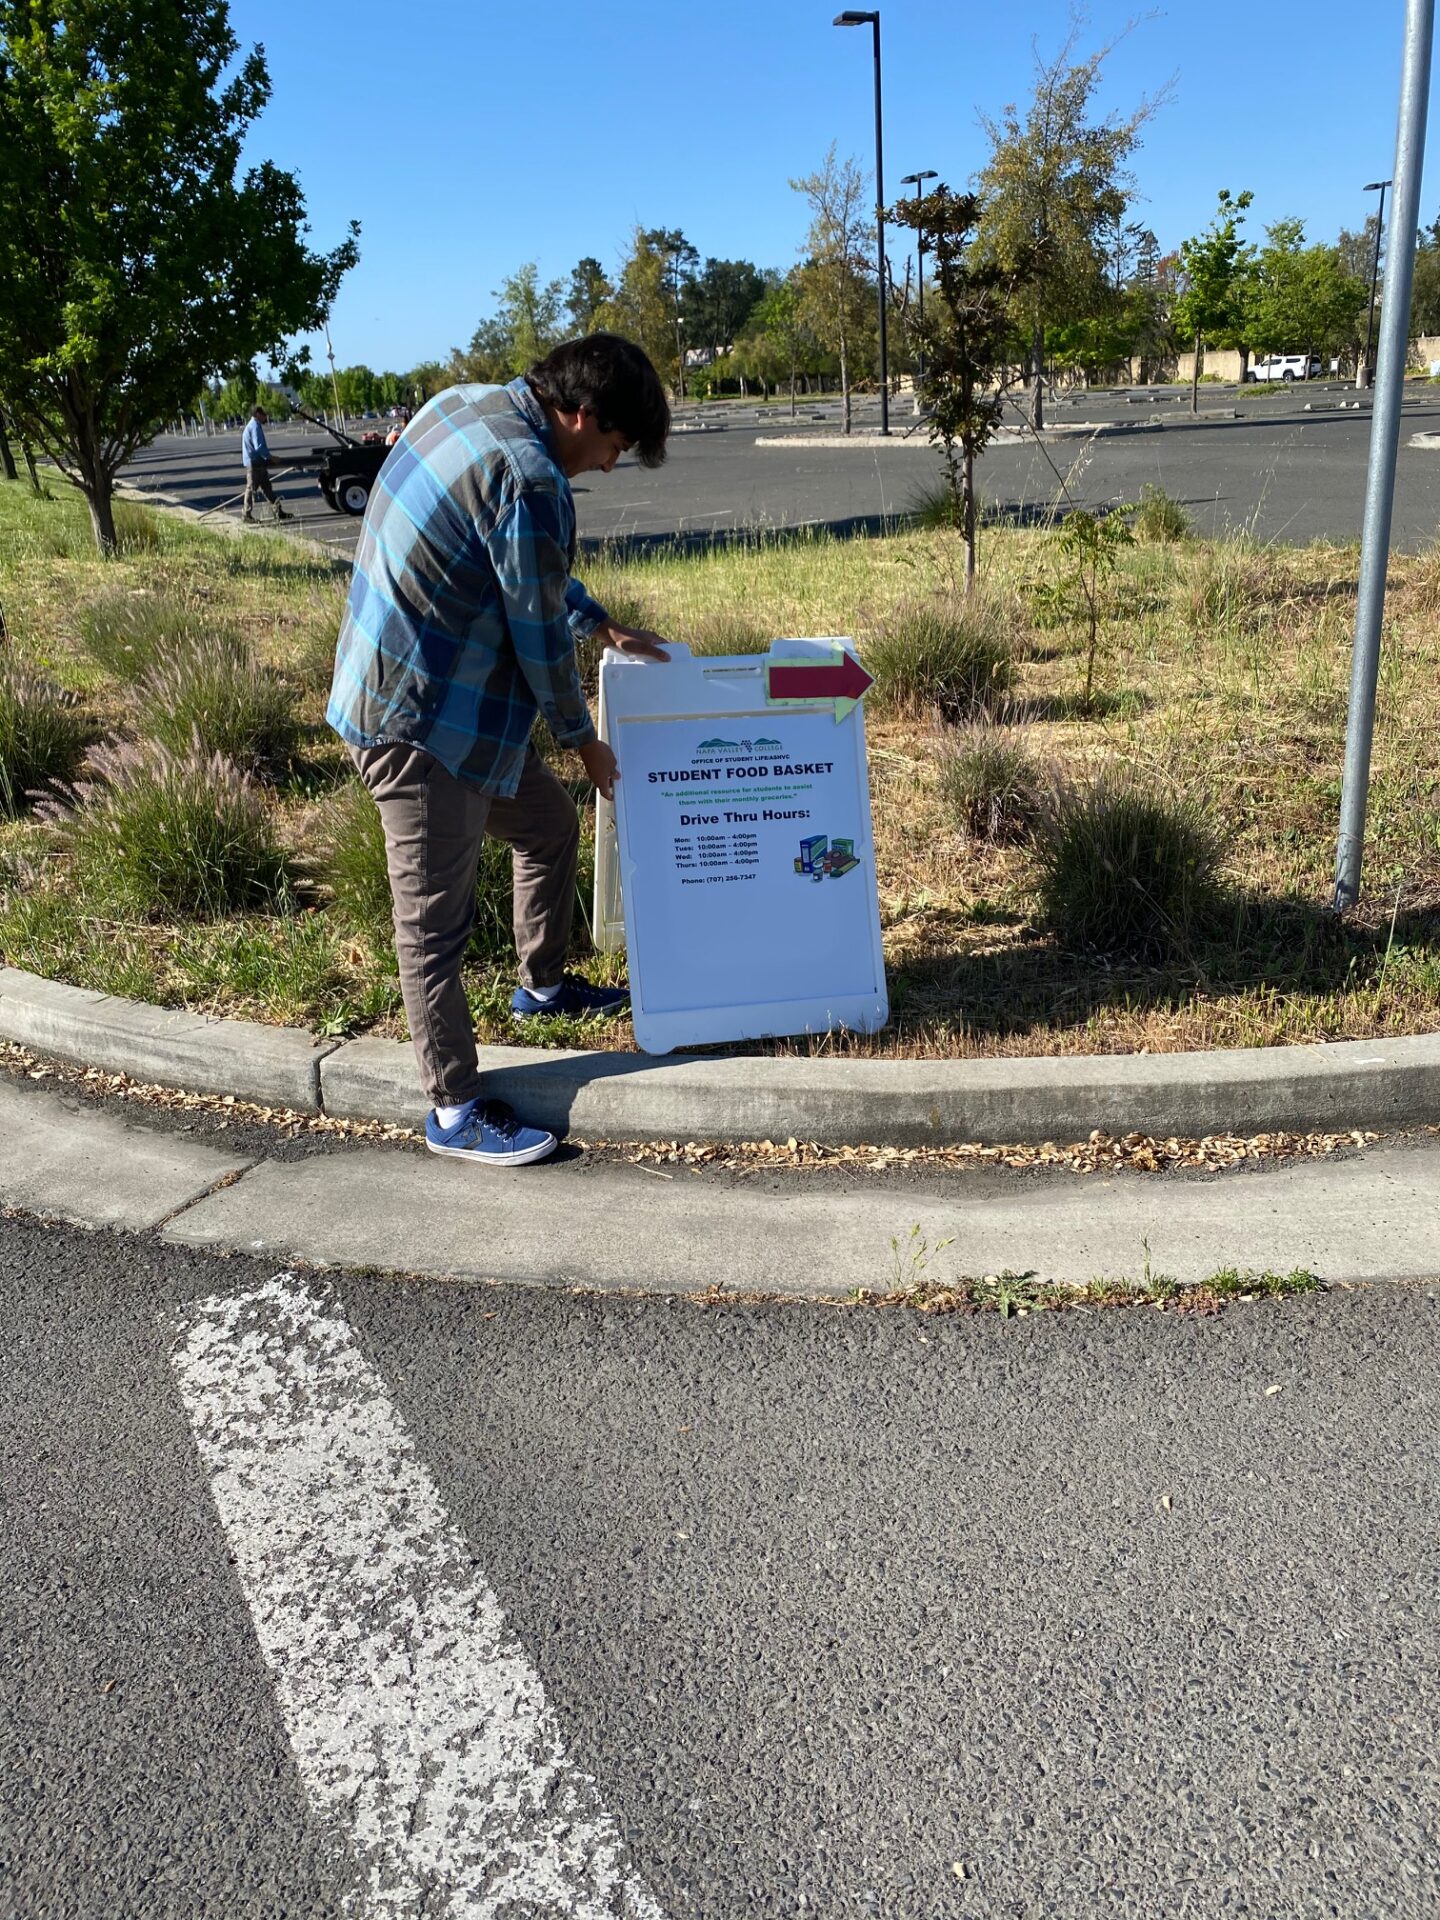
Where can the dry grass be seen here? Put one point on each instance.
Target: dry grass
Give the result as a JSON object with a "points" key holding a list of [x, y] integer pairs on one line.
{"points": [[1223, 669]]}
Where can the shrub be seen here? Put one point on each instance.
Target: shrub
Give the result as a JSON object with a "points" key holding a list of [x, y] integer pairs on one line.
{"points": [[1159, 517], [347, 862], [212, 692], [989, 784], [1125, 868], [129, 633], [952, 657], [41, 739], [165, 835]]}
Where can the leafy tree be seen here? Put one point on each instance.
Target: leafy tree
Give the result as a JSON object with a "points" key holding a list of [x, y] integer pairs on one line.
{"points": [[779, 321], [134, 261], [716, 303], [522, 330], [1425, 297], [1214, 275], [1302, 297], [588, 291], [1055, 186], [643, 305], [423, 382], [236, 397], [966, 338], [835, 287]]}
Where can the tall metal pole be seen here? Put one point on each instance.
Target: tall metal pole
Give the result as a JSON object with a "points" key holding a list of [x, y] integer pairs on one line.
{"points": [[880, 236], [1384, 445], [1362, 378]]}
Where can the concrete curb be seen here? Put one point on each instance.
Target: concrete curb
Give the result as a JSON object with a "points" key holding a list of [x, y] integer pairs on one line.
{"points": [[274, 1066], [1385, 1086]]}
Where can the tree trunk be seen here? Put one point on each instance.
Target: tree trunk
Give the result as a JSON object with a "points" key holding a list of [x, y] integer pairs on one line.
{"points": [[968, 509], [101, 503], [792, 392], [7, 458], [29, 453], [845, 385], [1037, 362], [1195, 379], [1244, 363]]}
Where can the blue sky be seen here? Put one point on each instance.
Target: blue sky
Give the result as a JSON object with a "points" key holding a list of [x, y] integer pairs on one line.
{"points": [[467, 137]]}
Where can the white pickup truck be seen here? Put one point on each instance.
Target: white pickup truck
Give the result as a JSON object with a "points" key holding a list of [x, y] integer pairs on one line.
{"points": [[1286, 367]]}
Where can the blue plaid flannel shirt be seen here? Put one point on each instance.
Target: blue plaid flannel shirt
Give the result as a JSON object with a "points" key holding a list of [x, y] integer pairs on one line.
{"points": [[463, 613]]}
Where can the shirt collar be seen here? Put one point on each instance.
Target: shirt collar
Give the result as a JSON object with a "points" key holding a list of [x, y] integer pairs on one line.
{"points": [[525, 399]]}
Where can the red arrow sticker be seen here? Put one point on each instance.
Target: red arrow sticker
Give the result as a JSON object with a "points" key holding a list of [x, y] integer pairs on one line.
{"points": [[841, 679]]}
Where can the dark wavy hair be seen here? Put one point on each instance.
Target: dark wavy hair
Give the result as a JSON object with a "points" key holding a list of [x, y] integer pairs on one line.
{"points": [[616, 379]]}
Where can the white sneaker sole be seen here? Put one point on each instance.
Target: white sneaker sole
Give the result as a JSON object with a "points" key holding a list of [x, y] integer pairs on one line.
{"points": [[521, 1157]]}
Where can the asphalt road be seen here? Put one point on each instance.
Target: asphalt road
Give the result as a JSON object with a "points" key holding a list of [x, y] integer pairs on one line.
{"points": [[837, 1612], [1285, 474]]}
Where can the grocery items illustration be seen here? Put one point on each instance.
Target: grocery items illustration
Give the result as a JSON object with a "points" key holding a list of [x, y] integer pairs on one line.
{"points": [[821, 858]]}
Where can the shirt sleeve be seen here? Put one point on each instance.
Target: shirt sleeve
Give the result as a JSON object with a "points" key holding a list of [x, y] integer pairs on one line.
{"points": [[585, 613], [529, 549]]}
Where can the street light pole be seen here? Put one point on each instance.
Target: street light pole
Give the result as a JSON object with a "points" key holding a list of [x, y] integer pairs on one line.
{"points": [[1362, 377], [1384, 447], [852, 19], [914, 180]]}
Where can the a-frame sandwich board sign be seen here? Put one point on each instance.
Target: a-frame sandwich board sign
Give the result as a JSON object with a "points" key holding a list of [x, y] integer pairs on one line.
{"points": [[739, 860]]}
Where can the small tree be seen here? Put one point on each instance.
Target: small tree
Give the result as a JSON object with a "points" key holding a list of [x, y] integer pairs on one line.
{"points": [[1214, 267], [1055, 187], [134, 262], [834, 281], [779, 319], [967, 337]]}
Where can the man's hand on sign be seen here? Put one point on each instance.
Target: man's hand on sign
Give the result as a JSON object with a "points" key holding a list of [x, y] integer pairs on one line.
{"points": [[637, 640], [601, 767]]}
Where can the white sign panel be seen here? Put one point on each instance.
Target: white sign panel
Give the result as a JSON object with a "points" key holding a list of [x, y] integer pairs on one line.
{"points": [[745, 852]]}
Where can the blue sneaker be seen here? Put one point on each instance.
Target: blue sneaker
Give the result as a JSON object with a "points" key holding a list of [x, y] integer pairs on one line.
{"points": [[489, 1134], [576, 997]]}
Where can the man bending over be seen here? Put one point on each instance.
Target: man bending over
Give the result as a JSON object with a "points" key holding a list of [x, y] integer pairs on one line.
{"points": [[461, 627]]}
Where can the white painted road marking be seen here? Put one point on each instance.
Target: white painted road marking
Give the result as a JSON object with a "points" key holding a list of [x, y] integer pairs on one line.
{"points": [[421, 1732]]}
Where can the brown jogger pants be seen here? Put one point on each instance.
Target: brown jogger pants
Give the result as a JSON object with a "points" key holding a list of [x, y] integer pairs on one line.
{"points": [[434, 827], [257, 480]]}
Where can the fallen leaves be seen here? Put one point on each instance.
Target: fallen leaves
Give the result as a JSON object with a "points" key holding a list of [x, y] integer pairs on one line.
{"points": [[1100, 1153]]}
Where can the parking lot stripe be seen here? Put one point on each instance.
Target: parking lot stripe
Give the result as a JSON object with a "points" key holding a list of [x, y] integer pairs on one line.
{"points": [[421, 1732]]}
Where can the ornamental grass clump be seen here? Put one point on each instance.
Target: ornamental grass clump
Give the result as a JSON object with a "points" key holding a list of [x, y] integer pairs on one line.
{"points": [[949, 657], [129, 633], [212, 691], [41, 737], [989, 784], [727, 630], [1125, 868], [159, 835], [1159, 519]]}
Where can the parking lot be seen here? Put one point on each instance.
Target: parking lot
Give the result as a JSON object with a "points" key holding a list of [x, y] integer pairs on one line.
{"points": [[1259, 462]]}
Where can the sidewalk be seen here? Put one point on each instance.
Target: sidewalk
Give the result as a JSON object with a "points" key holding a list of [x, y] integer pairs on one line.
{"points": [[579, 1222]]}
